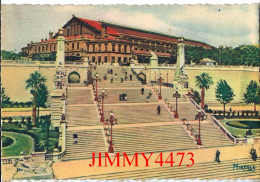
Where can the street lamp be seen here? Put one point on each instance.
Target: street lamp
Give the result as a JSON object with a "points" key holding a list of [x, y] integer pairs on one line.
{"points": [[102, 97], [160, 94], [96, 95], [199, 139], [167, 79], [177, 95], [111, 121]]}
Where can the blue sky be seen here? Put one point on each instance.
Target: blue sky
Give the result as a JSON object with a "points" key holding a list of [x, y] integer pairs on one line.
{"points": [[229, 25]]}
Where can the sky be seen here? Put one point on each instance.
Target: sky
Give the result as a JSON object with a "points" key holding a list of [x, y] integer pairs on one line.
{"points": [[229, 25]]}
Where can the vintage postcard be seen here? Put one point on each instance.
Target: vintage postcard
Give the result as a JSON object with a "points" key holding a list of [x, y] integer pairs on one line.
{"points": [[130, 92]]}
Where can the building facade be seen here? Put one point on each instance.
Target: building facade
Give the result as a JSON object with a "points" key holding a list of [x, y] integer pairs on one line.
{"points": [[104, 42]]}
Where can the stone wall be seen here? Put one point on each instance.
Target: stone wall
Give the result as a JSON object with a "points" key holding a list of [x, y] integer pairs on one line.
{"points": [[14, 76]]}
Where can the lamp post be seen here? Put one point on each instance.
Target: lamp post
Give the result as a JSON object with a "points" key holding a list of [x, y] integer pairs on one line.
{"points": [[160, 82], [102, 97], [96, 95], [167, 79], [177, 95], [111, 121], [199, 139]]}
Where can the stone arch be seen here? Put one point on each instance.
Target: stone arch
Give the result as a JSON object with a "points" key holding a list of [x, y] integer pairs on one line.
{"points": [[142, 77], [74, 77]]}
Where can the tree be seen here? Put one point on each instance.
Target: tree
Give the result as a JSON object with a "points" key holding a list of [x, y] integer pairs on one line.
{"points": [[224, 93], [251, 94], [197, 97], [41, 99], [35, 83], [5, 99], [203, 81]]}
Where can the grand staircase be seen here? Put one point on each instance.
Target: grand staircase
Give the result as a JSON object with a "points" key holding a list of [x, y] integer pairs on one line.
{"points": [[89, 141]]}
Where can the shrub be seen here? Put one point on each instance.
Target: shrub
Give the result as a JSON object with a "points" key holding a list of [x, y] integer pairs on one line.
{"points": [[10, 119], [22, 120]]}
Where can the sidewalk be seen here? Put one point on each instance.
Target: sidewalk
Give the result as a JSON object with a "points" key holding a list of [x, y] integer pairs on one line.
{"points": [[77, 168]]}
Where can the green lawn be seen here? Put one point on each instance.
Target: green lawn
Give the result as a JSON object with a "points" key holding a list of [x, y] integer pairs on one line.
{"points": [[238, 132], [21, 142]]}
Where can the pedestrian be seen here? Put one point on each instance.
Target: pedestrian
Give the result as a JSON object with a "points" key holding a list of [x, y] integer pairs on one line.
{"points": [[158, 109], [130, 77], [122, 80], [142, 91], [125, 77], [253, 153], [108, 70], [75, 136], [111, 71], [120, 97], [111, 79], [217, 156], [125, 73], [123, 96], [230, 110], [150, 93], [147, 98]]}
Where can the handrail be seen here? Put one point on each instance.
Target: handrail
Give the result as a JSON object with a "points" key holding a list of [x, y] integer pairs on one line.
{"points": [[220, 126]]}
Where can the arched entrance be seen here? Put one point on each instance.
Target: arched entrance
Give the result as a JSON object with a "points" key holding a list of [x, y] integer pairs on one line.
{"points": [[74, 77], [142, 77]]}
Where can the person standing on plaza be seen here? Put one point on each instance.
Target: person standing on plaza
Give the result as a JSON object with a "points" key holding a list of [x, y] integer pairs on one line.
{"points": [[125, 77], [158, 109], [75, 136], [142, 91], [131, 77], [122, 79], [111, 79]]}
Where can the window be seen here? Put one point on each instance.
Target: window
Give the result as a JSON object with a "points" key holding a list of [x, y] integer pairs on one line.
{"points": [[106, 47], [99, 47], [113, 59], [78, 45], [105, 59], [93, 59], [50, 47], [119, 48], [68, 46], [72, 46], [87, 47], [125, 59], [113, 47], [99, 59], [39, 49], [136, 48], [119, 59], [46, 47], [125, 48], [54, 47]]}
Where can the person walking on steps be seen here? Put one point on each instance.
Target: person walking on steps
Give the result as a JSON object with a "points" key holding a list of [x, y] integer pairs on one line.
{"points": [[75, 136], [217, 156], [158, 109], [131, 77], [142, 91]]}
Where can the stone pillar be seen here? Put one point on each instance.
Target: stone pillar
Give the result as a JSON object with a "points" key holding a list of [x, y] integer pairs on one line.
{"points": [[153, 60], [180, 54], [59, 90], [60, 55]]}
